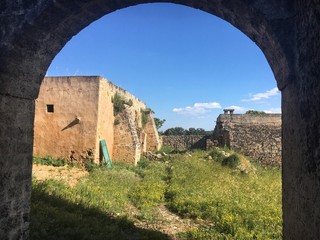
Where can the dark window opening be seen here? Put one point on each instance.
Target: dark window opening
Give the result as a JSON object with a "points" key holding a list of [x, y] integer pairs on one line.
{"points": [[50, 108]]}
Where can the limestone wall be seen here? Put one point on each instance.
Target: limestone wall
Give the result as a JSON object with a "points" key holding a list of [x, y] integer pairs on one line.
{"points": [[152, 140], [127, 147], [83, 115], [105, 129], [257, 136], [130, 137], [70, 130], [185, 142], [137, 104]]}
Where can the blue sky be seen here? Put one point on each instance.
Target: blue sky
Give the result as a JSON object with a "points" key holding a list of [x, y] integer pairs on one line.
{"points": [[185, 64]]}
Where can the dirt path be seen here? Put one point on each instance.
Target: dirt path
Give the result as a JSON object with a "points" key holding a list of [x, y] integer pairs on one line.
{"points": [[168, 223]]}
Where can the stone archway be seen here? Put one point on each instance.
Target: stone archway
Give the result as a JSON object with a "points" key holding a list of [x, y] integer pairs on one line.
{"points": [[287, 31]]}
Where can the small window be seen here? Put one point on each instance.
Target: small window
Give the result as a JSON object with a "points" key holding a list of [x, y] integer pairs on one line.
{"points": [[50, 108]]}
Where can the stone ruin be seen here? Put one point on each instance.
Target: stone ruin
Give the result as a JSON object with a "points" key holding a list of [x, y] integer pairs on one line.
{"points": [[73, 114], [255, 135]]}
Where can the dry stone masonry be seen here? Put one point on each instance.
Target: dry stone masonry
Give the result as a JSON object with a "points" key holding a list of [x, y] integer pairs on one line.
{"points": [[185, 142], [257, 136]]}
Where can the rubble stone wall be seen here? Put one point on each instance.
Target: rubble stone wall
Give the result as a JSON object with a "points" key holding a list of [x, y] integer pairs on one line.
{"points": [[127, 147], [257, 136], [185, 142]]}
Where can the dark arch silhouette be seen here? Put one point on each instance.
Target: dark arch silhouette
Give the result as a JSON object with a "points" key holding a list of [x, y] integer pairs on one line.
{"points": [[32, 32]]}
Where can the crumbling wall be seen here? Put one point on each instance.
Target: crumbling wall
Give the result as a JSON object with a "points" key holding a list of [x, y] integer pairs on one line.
{"points": [[83, 115], [127, 147], [257, 136], [131, 138], [150, 132]]}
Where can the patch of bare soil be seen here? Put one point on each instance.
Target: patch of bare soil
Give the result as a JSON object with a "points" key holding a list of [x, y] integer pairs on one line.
{"points": [[168, 223], [69, 175]]}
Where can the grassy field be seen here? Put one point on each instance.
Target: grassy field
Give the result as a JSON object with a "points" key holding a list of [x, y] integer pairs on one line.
{"points": [[219, 199]]}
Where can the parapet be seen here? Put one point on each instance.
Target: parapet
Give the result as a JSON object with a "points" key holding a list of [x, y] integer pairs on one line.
{"points": [[266, 119]]}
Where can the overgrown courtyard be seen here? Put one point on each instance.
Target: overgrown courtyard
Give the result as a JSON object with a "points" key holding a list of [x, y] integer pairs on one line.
{"points": [[193, 195]]}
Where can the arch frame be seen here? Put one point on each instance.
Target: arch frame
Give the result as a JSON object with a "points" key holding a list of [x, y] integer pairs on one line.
{"points": [[287, 31]]}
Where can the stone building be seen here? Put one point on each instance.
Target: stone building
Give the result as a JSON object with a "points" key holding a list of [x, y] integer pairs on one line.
{"points": [[255, 135], [73, 114]]}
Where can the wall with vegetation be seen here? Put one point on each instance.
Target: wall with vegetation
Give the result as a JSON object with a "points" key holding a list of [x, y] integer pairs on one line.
{"points": [[134, 129], [84, 113], [127, 147], [255, 135]]}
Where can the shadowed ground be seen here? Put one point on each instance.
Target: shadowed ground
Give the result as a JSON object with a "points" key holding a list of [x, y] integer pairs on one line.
{"points": [[55, 218]]}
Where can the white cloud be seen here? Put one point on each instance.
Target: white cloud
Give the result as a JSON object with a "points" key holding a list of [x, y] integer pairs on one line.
{"points": [[264, 95], [207, 105], [197, 109], [273, 110], [238, 109]]}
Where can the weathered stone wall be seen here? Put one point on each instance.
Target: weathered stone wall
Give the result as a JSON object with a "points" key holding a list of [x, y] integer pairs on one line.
{"points": [[127, 127], [105, 129], [150, 132], [137, 104], [83, 116], [16, 131], [127, 147], [130, 137], [71, 130], [185, 142], [257, 136]]}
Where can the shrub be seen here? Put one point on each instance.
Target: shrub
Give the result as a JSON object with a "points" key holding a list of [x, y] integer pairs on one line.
{"points": [[217, 155], [116, 122], [159, 122], [255, 112], [118, 104], [129, 103], [232, 161], [165, 149], [144, 117]]}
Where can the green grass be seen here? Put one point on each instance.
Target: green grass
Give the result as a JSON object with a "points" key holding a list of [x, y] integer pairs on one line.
{"points": [[49, 161], [97, 208], [227, 203], [55, 215], [107, 190], [238, 206], [152, 186]]}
